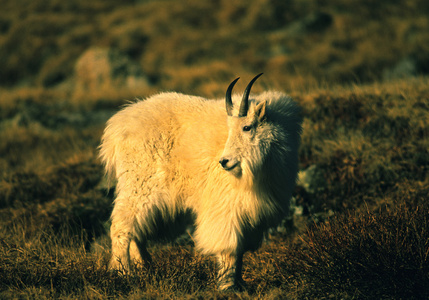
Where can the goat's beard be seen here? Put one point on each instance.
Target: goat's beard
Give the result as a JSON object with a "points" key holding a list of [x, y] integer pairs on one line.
{"points": [[243, 176]]}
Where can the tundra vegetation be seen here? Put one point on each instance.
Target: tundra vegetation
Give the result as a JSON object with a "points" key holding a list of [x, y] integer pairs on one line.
{"points": [[359, 71]]}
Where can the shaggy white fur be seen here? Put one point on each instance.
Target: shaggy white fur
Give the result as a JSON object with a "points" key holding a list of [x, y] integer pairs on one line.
{"points": [[164, 153]]}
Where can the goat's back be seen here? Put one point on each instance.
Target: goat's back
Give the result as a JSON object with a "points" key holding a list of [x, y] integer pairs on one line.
{"points": [[168, 128]]}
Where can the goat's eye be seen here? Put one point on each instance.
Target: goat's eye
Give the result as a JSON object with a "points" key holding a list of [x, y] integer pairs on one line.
{"points": [[247, 128]]}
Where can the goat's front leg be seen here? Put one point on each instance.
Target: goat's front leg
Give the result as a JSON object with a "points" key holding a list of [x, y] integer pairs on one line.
{"points": [[229, 274]]}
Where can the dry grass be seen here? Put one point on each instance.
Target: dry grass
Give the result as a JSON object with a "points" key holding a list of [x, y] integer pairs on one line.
{"points": [[374, 155], [363, 235], [336, 42]]}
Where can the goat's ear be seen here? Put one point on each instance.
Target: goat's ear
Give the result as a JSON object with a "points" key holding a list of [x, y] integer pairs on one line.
{"points": [[260, 111]]}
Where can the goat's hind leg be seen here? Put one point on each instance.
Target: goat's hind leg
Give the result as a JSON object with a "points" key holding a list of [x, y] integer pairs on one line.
{"points": [[128, 245], [127, 249], [139, 253], [121, 235]]}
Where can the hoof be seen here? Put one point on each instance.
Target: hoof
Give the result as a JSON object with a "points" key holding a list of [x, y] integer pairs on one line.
{"points": [[116, 267], [236, 287]]}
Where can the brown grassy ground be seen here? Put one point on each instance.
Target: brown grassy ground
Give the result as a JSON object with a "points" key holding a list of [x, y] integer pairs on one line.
{"points": [[363, 235]]}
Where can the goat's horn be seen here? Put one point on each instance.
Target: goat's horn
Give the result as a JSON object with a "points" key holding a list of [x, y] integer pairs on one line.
{"points": [[244, 107], [228, 97]]}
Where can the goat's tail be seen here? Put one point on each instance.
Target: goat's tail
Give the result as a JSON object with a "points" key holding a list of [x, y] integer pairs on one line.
{"points": [[108, 152]]}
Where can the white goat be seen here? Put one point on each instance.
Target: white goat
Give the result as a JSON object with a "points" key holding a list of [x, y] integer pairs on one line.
{"points": [[182, 160]]}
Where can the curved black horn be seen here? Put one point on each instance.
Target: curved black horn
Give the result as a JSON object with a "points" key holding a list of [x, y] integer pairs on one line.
{"points": [[244, 107], [228, 97]]}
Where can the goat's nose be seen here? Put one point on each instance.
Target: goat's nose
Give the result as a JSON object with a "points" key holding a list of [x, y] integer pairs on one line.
{"points": [[223, 162]]}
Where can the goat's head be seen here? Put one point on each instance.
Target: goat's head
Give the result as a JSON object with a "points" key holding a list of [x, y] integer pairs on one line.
{"points": [[247, 136]]}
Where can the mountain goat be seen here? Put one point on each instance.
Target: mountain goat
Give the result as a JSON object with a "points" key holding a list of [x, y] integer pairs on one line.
{"points": [[181, 160]]}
